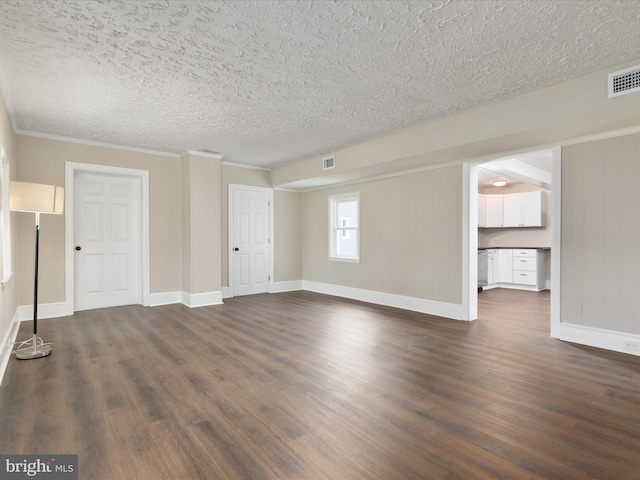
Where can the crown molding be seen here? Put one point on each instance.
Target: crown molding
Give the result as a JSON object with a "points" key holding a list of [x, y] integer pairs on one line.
{"points": [[244, 165], [95, 144]]}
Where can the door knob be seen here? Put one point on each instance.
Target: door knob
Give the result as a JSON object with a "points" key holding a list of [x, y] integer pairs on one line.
{"points": [[78, 248], [236, 249]]}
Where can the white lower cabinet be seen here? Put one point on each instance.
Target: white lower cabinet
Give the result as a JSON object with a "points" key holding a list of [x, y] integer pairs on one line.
{"points": [[529, 267], [522, 268], [506, 265]]}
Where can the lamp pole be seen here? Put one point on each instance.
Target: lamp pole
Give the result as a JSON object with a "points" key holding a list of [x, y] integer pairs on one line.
{"points": [[35, 287]]}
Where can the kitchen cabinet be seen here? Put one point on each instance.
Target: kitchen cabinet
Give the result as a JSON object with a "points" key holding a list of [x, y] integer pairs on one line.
{"points": [[523, 209], [505, 261], [493, 266], [494, 210], [481, 210], [488, 266], [512, 210], [529, 267], [534, 209], [522, 268], [527, 209]]}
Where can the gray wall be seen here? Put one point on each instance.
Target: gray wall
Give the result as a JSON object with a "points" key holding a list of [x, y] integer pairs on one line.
{"points": [[601, 234], [287, 246], [411, 236]]}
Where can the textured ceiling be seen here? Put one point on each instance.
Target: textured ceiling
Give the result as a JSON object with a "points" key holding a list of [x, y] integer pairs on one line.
{"points": [[266, 82]]}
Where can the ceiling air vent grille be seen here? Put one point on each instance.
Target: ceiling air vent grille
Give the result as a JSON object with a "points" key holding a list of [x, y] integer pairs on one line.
{"points": [[625, 81], [328, 162]]}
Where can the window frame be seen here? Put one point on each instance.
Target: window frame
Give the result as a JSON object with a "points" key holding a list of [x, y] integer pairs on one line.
{"points": [[336, 226], [6, 249]]}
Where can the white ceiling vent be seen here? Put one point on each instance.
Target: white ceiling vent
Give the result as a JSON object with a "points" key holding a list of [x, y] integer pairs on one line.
{"points": [[328, 162], [625, 81]]}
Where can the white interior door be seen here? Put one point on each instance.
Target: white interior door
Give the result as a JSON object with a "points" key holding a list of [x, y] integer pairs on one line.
{"points": [[107, 238], [250, 245]]}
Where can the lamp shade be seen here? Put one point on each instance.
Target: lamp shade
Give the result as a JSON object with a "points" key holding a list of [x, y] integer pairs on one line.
{"points": [[36, 197]]}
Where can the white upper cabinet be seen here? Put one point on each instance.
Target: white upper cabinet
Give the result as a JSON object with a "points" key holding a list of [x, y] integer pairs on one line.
{"points": [[494, 211], [534, 209], [526, 209], [512, 210], [482, 218]]}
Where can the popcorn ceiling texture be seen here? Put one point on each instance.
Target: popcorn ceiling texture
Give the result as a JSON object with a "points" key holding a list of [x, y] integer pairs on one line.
{"points": [[267, 82]]}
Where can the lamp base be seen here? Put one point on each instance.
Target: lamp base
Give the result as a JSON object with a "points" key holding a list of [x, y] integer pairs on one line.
{"points": [[33, 348]]}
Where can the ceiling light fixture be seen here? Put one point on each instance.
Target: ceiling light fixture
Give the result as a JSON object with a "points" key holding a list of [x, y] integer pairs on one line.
{"points": [[499, 183]]}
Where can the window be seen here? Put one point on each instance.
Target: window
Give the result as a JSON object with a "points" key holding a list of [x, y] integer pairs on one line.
{"points": [[344, 238], [344, 223], [5, 216]]}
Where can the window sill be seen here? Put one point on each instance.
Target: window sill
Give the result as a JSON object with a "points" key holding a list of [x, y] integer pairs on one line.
{"points": [[344, 260]]}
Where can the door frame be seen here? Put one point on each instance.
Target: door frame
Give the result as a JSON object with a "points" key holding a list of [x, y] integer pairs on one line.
{"points": [[71, 168], [470, 248], [556, 240], [230, 218], [469, 242]]}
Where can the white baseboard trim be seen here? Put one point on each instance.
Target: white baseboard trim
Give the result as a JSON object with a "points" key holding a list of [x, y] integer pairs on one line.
{"points": [[289, 286], [274, 287], [165, 298], [45, 310], [600, 338], [512, 286], [7, 344], [56, 310], [431, 307], [194, 300]]}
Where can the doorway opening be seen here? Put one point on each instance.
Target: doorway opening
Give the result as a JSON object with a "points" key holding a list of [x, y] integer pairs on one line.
{"points": [[518, 234]]}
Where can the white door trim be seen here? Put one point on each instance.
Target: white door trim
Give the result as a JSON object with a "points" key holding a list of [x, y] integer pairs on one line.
{"points": [[71, 168], [556, 239], [469, 242], [231, 257], [469, 282]]}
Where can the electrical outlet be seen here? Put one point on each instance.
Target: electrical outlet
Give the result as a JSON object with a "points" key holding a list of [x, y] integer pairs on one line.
{"points": [[632, 346]]}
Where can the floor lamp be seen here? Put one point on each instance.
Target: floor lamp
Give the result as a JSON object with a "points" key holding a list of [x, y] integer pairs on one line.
{"points": [[35, 198]]}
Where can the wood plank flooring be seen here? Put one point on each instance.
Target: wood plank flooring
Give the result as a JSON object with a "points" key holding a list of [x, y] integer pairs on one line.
{"points": [[307, 386]]}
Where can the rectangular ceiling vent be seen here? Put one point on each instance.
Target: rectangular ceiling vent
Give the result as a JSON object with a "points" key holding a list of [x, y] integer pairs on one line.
{"points": [[625, 81], [328, 162]]}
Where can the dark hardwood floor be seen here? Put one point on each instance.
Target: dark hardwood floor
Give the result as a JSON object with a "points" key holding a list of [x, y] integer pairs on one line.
{"points": [[306, 386]]}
